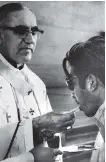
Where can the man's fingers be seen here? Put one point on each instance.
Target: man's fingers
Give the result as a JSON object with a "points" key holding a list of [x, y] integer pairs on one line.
{"points": [[66, 124], [57, 152], [69, 116]]}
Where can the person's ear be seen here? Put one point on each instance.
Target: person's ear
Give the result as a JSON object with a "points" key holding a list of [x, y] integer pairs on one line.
{"points": [[91, 82]]}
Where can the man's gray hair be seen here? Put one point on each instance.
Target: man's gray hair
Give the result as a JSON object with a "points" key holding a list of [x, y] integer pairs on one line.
{"points": [[6, 9]]}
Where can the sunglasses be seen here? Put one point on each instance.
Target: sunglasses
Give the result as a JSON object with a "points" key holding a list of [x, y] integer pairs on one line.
{"points": [[23, 31]]}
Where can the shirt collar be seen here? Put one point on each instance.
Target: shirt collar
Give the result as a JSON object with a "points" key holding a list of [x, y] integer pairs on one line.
{"points": [[8, 64], [100, 111], [15, 76]]}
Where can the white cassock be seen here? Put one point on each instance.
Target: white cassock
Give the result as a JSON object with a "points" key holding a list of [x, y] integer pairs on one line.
{"points": [[20, 90]]}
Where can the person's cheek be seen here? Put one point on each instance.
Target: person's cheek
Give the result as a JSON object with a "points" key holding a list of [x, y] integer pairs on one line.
{"points": [[78, 94]]}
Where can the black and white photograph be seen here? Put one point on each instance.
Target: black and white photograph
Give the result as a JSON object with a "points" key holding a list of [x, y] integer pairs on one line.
{"points": [[52, 81]]}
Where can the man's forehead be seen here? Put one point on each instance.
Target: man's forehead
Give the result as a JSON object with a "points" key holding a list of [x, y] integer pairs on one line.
{"points": [[22, 17]]}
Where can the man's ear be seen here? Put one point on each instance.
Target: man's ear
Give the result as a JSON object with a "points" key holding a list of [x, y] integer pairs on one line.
{"points": [[91, 82]]}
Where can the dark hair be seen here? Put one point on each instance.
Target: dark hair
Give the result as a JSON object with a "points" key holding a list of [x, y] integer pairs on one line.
{"points": [[88, 57], [102, 33], [8, 8]]}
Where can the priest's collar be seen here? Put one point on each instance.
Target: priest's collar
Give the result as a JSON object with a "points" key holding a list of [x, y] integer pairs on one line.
{"points": [[11, 64]]}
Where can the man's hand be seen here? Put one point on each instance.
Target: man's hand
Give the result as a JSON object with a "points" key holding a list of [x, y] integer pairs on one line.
{"points": [[53, 121], [44, 154]]}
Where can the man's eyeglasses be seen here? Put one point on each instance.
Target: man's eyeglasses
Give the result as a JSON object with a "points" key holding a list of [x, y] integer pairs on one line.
{"points": [[23, 31], [70, 81]]}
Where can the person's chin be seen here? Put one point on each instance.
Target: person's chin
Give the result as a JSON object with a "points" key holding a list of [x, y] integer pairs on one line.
{"points": [[86, 111], [27, 55], [89, 114], [25, 59]]}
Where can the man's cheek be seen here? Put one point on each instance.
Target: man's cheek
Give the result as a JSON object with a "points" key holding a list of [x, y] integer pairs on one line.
{"points": [[78, 95]]}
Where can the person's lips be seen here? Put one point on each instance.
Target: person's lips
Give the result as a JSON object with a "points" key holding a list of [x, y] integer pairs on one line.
{"points": [[26, 49], [83, 108], [80, 107], [76, 100]]}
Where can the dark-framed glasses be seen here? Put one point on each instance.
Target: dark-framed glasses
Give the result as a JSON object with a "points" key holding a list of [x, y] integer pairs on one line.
{"points": [[70, 81], [22, 31]]}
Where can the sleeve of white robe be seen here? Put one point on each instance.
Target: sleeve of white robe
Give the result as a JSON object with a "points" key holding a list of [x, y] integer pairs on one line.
{"points": [[98, 155], [26, 157]]}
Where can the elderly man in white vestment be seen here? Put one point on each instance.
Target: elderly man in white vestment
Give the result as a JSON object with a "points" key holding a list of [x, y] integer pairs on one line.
{"points": [[23, 97]]}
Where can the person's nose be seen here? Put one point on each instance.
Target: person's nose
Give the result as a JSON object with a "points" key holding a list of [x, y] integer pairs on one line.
{"points": [[30, 39], [73, 94]]}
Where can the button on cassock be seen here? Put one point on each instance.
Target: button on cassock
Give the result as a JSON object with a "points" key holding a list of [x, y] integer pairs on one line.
{"points": [[31, 111]]}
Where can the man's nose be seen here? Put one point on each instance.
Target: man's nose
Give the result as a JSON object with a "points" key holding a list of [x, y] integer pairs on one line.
{"points": [[73, 94], [30, 39]]}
